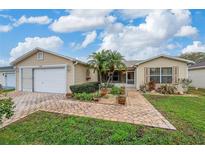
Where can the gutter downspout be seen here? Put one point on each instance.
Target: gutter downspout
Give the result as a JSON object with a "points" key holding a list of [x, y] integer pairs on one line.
{"points": [[75, 63]]}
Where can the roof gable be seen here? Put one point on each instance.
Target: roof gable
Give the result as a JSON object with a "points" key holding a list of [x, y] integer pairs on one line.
{"points": [[165, 56], [28, 54]]}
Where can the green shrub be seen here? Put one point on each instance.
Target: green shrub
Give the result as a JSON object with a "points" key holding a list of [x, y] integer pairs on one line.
{"points": [[144, 88], [167, 89], [152, 85], [106, 85], [185, 83], [85, 96], [115, 90], [6, 108], [85, 87]]}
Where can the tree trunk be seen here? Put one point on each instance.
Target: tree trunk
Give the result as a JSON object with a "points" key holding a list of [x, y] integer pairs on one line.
{"points": [[100, 77], [110, 77]]}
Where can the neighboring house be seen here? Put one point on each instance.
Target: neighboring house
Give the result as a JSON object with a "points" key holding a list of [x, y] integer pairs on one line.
{"points": [[43, 71], [7, 77], [197, 75], [162, 69]]}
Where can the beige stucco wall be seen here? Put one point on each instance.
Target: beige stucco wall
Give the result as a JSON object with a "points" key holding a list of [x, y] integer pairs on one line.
{"points": [[50, 59], [160, 62], [93, 75], [80, 74], [197, 76]]}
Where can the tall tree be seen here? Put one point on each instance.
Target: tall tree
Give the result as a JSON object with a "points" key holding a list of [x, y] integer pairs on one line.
{"points": [[194, 56], [115, 62], [106, 61], [97, 60]]}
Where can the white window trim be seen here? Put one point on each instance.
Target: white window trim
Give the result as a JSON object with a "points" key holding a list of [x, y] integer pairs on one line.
{"points": [[160, 75]]}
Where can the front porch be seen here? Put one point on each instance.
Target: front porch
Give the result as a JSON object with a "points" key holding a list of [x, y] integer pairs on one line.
{"points": [[122, 78]]}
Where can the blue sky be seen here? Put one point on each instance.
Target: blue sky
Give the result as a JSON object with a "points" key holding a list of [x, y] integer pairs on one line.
{"points": [[137, 34]]}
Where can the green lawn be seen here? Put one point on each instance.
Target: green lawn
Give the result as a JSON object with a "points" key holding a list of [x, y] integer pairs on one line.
{"points": [[187, 114]]}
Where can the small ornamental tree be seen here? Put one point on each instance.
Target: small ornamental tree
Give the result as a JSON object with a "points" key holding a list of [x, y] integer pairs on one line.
{"points": [[185, 83], [106, 61], [6, 109]]}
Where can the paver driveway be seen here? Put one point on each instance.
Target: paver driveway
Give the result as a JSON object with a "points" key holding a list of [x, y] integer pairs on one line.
{"points": [[137, 111]]}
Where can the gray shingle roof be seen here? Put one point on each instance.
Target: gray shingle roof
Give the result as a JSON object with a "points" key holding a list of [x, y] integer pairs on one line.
{"points": [[130, 63], [6, 68], [198, 65]]}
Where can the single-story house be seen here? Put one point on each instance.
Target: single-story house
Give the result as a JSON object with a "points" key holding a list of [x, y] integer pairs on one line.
{"points": [[7, 77], [162, 69], [44, 71], [197, 75], [41, 70]]}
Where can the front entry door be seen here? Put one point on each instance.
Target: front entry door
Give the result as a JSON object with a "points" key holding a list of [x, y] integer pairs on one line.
{"points": [[130, 78]]}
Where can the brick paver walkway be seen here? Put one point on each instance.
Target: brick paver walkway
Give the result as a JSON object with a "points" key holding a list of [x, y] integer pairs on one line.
{"points": [[137, 111]]}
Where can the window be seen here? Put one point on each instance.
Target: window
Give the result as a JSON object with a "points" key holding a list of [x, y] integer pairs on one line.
{"points": [[155, 75], [161, 75], [40, 56], [116, 76], [166, 75]]}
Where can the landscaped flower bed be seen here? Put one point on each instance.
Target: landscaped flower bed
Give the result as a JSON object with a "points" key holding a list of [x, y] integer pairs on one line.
{"points": [[179, 88], [112, 95]]}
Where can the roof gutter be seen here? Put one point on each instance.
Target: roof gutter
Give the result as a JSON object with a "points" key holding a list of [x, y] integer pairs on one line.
{"points": [[74, 63], [194, 68]]}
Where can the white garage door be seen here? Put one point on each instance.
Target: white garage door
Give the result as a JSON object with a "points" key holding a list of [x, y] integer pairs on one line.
{"points": [[50, 80], [10, 80]]}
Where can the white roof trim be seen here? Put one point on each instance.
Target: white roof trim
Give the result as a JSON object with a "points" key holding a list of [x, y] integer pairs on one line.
{"points": [[47, 51], [165, 56]]}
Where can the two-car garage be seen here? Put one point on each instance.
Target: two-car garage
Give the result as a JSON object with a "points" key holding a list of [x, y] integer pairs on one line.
{"points": [[41, 70], [50, 79]]}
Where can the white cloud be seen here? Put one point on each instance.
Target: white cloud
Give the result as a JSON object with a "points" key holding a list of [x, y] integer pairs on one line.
{"points": [[82, 20], [5, 28], [197, 46], [50, 43], [187, 31], [42, 20], [90, 37], [149, 38], [134, 14], [11, 18], [4, 62]]}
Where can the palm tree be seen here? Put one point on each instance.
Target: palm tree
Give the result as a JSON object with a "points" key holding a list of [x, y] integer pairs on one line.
{"points": [[98, 62], [115, 62], [106, 61]]}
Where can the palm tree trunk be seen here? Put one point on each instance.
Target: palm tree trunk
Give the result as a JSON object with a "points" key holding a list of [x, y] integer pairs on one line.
{"points": [[100, 77], [110, 77]]}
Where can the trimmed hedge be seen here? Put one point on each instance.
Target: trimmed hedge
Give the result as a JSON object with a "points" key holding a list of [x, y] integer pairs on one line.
{"points": [[89, 87], [85, 96]]}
